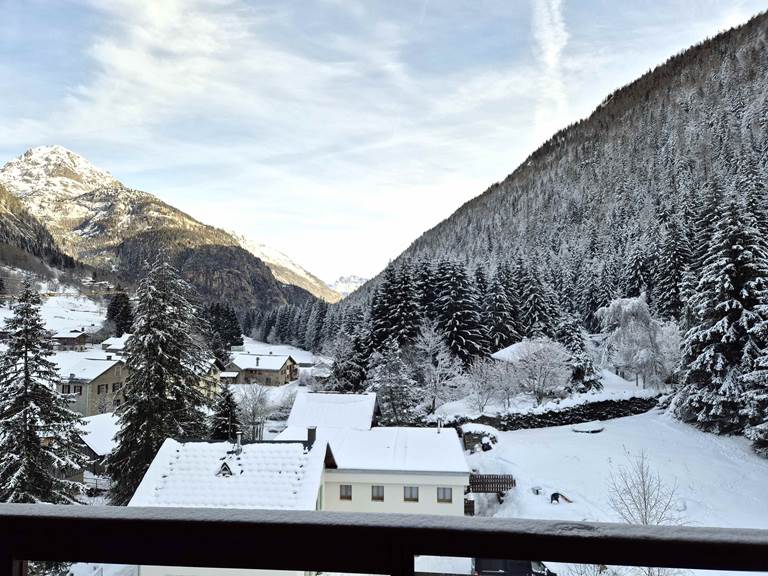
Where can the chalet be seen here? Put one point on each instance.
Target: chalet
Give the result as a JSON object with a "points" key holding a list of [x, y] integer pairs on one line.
{"points": [[71, 340], [267, 369], [115, 344], [259, 475], [393, 470], [94, 384]]}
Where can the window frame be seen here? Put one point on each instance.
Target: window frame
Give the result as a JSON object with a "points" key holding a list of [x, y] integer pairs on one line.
{"points": [[407, 498], [443, 500], [342, 492], [374, 497]]}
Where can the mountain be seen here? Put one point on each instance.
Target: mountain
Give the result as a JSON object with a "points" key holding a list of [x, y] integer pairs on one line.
{"points": [[601, 194], [345, 285], [97, 220], [24, 241], [287, 271]]}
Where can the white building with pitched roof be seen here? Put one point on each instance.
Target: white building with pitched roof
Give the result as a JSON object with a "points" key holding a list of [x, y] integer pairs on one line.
{"points": [[332, 410]]}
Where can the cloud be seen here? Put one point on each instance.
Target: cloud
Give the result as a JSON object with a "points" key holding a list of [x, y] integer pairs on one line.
{"points": [[551, 36]]}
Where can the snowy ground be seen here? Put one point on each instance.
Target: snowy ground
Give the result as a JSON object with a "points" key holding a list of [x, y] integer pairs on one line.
{"points": [[67, 311], [614, 388], [720, 481]]}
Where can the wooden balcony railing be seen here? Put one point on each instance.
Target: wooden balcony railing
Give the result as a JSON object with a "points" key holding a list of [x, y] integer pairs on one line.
{"points": [[339, 542]]}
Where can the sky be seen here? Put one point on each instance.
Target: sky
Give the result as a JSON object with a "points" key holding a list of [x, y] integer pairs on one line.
{"points": [[337, 131]]}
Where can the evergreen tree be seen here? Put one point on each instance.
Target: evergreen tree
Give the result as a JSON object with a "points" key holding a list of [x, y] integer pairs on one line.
{"points": [[120, 312], [397, 392], [218, 349], [459, 315], [167, 364], [349, 364], [426, 289], [383, 309], [499, 317], [539, 312], [728, 305], [39, 443], [673, 261], [224, 422], [405, 306], [584, 375], [223, 319]]}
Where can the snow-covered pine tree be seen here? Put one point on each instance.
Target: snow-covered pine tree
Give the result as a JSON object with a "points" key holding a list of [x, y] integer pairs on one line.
{"points": [[39, 443], [459, 314], [120, 312], [224, 421], [349, 364], [570, 334], [539, 312], [167, 363], [498, 317], [729, 303], [383, 305], [674, 259], [425, 288], [481, 282], [218, 349], [397, 392], [405, 306]]}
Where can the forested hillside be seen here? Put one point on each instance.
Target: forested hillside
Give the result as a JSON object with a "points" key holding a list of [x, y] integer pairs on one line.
{"points": [[660, 196]]}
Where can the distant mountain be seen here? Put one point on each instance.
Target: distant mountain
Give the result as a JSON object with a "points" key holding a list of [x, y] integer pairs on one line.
{"points": [[345, 285], [97, 220], [287, 271]]}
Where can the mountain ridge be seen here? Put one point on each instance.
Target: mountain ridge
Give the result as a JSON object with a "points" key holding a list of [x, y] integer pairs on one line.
{"points": [[97, 219]]}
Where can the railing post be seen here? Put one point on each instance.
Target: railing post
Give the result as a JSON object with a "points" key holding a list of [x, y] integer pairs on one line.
{"points": [[402, 560], [10, 566]]}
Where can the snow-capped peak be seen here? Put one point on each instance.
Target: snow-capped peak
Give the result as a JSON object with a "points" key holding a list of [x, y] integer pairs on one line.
{"points": [[52, 171], [345, 285]]}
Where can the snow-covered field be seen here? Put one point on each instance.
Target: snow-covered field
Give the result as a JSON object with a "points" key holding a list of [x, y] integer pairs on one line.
{"points": [[614, 388], [720, 481], [67, 311]]}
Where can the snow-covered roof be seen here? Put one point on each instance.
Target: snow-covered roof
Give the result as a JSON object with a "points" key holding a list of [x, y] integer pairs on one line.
{"points": [[116, 342], [332, 410], [87, 368], [265, 475], [259, 361], [67, 334], [392, 449], [227, 374], [518, 350], [99, 432]]}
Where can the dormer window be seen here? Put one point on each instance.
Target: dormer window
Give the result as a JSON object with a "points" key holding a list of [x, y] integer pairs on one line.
{"points": [[224, 471]]}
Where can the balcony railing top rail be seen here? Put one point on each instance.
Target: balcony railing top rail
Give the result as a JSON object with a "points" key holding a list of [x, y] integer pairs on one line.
{"points": [[340, 542]]}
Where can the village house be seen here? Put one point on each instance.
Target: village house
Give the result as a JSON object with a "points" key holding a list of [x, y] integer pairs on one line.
{"points": [[71, 340], [98, 436], [260, 475], [393, 470], [95, 385], [115, 344], [266, 369]]}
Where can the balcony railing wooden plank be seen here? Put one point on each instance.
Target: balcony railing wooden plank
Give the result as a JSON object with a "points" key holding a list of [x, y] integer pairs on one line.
{"points": [[340, 542]]}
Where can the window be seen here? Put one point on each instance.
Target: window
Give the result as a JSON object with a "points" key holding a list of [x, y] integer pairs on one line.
{"points": [[116, 403], [411, 493], [445, 495], [102, 389], [116, 386], [65, 389], [377, 493], [79, 390], [345, 492]]}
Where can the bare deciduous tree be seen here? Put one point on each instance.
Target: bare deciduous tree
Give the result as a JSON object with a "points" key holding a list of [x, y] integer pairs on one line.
{"points": [[639, 495], [480, 383], [254, 409], [542, 367]]}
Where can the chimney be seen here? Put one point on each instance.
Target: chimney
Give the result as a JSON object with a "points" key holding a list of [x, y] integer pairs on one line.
{"points": [[311, 435], [109, 356], [439, 424], [257, 360]]}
